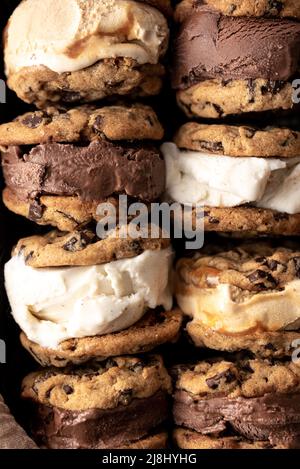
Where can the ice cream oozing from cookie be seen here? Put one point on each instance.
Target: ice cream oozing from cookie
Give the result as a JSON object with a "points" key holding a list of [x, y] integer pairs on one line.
{"points": [[246, 297], [66, 48], [234, 64], [117, 403], [228, 167], [59, 166], [77, 287], [214, 46], [238, 404]]}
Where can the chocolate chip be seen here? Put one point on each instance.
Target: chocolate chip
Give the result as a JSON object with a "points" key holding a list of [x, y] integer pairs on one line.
{"points": [[214, 381], [214, 220], [126, 397], [218, 109], [98, 123], [251, 88], [70, 96], [136, 247], [212, 146], [273, 87], [48, 393], [247, 368], [262, 275], [32, 121], [110, 363], [278, 216], [296, 261], [68, 389], [272, 264], [275, 7], [137, 367], [29, 256], [225, 82], [36, 211], [271, 347], [250, 132], [232, 9], [150, 121], [260, 260], [79, 242]]}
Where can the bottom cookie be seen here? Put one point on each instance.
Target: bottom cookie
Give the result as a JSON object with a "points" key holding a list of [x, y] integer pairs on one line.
{"points": [[154, 329], [261, 343], [217, 98], [189, 439]]}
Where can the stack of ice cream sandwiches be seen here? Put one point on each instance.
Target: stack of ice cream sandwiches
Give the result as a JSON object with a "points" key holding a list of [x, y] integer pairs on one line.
{"points": [[93, 309], [237, 60], [89, 307]]}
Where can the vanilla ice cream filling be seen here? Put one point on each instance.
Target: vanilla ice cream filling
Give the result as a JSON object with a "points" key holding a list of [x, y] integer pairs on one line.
{"points": [[69, 35], [228, 309], [195, 178], [54, 304]]}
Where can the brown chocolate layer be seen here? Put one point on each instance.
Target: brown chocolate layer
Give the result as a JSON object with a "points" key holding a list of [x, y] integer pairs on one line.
{"points": [[57, 428], [92, 172], [273, 417], [210, 45]]}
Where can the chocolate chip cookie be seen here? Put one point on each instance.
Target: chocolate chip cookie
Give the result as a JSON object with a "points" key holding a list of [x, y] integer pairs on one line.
{"points": [[102, 405], [238, 403], [238, 140], [83, 247], [216, 99], [269, 8], [154, 329], [60, 165], [243, 298]]}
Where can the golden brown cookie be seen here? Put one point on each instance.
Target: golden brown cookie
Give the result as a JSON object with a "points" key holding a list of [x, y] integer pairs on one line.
{"points": [[243, 298], [83, 124], [189, 439], [119, 402], [233, 140], [65, 213], [154, 329], [83, 247], [158, 441], [261, 343], [110, 77], [245, 219], [283, 8], [217, 98], [255, 401]]}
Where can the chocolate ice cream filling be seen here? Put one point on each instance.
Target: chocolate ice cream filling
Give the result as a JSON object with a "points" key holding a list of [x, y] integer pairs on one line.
{"points": [[93, 172], [58, 428], [210, 45], [273, 417]]}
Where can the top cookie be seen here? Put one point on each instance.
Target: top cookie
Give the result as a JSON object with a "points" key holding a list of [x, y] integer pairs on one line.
{"points": [[239, 378], [83, 247], [252, 267], [83, 123], [233, 140], [282, 8], [101, 385]]}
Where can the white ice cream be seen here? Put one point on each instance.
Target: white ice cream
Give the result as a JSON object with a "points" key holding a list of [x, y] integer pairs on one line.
{"points": [[69, 35], [195, 178], [54, 304], [225, 308]]}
